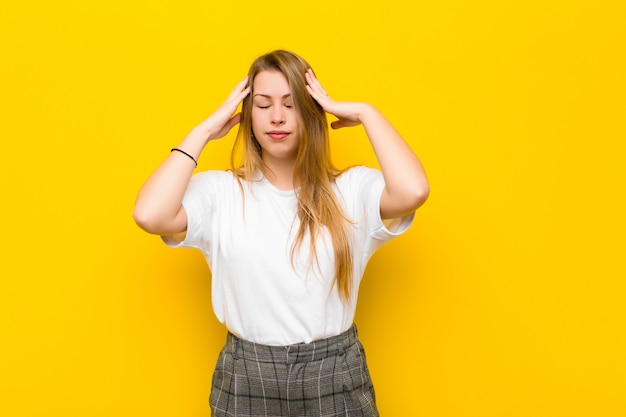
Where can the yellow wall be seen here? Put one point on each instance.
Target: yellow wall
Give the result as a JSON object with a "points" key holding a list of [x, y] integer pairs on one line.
{"points": [[506, 298]]}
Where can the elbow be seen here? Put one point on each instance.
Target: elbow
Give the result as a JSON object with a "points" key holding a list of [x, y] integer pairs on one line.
{"points": [[424, 193], [158, 222], [416, 195], [419, 196], [398, 204], [146, 220]]}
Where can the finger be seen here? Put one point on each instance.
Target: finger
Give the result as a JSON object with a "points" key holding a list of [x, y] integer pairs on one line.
{"points": [[337, 124], [322, 100], [312, 92], [314, 82], [317, 94], [239, 89], [226, 127], [243, 94], [233, 121], [233, 101]]}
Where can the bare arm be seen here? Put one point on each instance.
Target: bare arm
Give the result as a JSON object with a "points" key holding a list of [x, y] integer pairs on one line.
{"points": [[158, 208], [406, 185]]}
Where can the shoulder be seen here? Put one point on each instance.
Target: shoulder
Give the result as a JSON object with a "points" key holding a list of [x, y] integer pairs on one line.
{"points": [[214, 176], [357, 175], [207, 184], [359, 184]]}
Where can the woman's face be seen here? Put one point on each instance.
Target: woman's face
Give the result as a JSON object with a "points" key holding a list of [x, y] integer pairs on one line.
{"points": [[274, 119]]}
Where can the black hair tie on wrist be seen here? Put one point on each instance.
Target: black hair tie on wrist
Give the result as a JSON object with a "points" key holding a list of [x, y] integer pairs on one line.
{"points": [[185, 153]]}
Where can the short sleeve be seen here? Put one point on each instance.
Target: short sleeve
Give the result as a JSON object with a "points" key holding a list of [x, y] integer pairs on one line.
{"points": [[362, 188], [199, 204]]}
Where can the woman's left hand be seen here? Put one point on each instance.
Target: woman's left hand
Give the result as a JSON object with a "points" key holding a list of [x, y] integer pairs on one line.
{"points": [[347, 113]]}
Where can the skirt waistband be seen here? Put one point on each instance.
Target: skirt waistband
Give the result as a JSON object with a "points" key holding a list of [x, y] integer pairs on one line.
{"points": [[296, 353]]}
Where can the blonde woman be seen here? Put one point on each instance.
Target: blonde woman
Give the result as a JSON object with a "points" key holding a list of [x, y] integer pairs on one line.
{"points": [[287, 237]]}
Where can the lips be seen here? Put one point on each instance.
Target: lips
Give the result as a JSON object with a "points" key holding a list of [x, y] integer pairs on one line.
{"points": [[277, 134]]}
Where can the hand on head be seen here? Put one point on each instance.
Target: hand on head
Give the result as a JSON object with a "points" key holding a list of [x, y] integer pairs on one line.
{"points": [[347, 113], [224, 118]]}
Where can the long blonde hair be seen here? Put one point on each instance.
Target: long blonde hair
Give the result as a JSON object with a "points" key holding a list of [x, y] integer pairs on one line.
{"points": [[314, 173]]}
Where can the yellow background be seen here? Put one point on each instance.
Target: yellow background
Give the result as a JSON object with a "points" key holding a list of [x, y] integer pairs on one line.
{"points": [[505, 299]]}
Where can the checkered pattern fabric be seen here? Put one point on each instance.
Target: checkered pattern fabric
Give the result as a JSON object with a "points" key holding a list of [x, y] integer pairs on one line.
{"points": [[325, 378]]}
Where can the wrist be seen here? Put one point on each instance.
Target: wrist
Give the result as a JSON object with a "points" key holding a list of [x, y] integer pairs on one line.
{"points": [[365, 112], [201, 133], [204, 131], [195, 160]]}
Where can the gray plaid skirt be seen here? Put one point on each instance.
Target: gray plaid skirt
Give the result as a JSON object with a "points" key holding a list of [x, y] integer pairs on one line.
{"points": [[324, 378]]}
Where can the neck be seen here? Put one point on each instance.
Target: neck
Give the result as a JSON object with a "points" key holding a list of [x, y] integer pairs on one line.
{"points": [[280, 173]]}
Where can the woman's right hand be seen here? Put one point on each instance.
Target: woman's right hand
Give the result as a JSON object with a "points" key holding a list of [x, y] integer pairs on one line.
{"points": [[158, 208], [218, 124]]}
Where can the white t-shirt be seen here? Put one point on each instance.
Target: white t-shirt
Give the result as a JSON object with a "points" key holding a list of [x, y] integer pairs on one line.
{"points": [[258, 293]]}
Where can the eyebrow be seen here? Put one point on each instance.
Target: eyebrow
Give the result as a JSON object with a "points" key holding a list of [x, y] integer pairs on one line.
{"points": [[268, 96]]}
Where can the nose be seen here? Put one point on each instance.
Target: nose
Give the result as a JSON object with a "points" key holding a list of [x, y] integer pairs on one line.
{"points": [[277, 115]]}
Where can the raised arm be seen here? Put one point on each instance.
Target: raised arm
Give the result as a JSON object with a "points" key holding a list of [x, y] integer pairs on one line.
{"points": [[406, 185], [158, 208]]}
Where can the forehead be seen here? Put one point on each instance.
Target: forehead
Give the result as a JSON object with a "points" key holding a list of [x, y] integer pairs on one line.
{"points": [[271, 83]]}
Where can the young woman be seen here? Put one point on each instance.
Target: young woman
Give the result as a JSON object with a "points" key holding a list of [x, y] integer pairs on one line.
{"points": [[287, 237]]}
